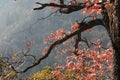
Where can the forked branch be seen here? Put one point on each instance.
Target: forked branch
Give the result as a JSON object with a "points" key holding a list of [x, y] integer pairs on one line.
{"points": [[63, 7], [83, 26]]}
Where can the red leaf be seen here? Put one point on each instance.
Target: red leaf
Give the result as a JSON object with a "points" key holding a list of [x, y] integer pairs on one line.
{"points": [[88, 30]]}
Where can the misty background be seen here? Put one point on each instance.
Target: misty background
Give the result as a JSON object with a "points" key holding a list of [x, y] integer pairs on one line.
{"points": [[19, 23]]}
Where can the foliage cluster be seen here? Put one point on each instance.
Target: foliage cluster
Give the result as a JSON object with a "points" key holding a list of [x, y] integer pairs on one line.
{"points": [[89, 65]]}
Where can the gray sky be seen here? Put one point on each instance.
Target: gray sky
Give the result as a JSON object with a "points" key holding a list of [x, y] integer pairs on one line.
{"points": [[14, 17]]}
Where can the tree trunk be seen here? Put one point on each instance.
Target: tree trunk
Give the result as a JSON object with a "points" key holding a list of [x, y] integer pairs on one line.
{"points": [[114, 31]]}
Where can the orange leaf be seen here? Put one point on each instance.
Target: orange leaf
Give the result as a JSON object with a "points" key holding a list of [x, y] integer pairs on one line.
{"points": [[75, 26], [53, 7]]}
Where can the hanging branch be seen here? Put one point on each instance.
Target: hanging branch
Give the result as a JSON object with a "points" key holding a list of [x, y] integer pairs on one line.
{"points": [[48, 15], [78, 39]]}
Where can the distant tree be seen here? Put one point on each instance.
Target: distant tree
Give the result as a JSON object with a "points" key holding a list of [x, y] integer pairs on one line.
{"points": [[110, 11]]}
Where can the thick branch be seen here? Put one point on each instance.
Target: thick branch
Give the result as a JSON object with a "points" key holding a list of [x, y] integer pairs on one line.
{"points": [[63, 7], [83, 26], [66, 8], [81, 6], [87, 25], [50, 49]]}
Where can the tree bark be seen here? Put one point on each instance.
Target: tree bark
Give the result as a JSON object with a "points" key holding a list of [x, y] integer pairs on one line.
{"points": [[114, 32]]}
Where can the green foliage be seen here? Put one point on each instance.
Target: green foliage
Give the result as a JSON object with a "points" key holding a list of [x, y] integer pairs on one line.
{"points": [[80, 68], [45, 74], [70, 74], [48, 74]]}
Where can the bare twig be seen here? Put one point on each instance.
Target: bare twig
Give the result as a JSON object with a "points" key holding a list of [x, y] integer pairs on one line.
{"points": [[30, 55], [49, 15], [86, 18]]}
